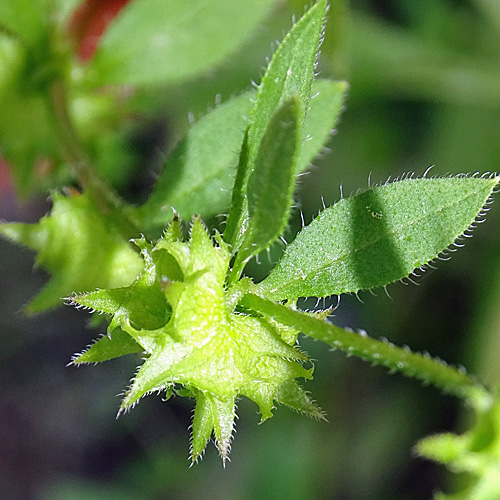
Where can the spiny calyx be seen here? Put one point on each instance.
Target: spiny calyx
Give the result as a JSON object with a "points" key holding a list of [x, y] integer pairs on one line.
{"points": [[180, 313]]}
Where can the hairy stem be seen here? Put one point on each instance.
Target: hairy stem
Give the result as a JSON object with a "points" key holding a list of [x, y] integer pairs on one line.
{"points": [[419, 366]]}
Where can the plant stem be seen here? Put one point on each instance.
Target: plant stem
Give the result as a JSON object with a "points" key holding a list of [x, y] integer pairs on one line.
{"points": [[415, 365], [74, 152]]}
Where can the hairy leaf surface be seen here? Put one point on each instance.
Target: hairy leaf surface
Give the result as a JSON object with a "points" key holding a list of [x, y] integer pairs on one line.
{"points": [[114, 345], [290, 72], [377, 237], [271, 184], [204, 162], [198, 175], [324, 110]]}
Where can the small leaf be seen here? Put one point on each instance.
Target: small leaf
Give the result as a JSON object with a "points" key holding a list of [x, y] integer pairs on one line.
{"points": [[377, 237], [237, 223], [81, 248], [290, 73], [224, 425], [212, 414], [324, 110], [114, 345], [203, 425], [271, 184], [140, 308], [159, 42], [139, 304], [292, 395]]}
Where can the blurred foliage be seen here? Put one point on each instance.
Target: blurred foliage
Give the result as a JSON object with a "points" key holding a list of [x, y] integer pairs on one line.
{"points": [[425, 89], [476, 453]]}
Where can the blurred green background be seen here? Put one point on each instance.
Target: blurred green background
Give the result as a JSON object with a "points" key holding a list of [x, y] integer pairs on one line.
{"points": [[424, 81]]}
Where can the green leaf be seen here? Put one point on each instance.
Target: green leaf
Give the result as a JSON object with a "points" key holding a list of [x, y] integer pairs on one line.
{"points": [[136, 308], [81, 248], [159, 42], [236, 222], [377, 237], [290, 72], [224, 415], [203, 425], [198, 176], [292, 395], [202, 164], [116, 344], [213, 414], [271, 183], [24, 18]]}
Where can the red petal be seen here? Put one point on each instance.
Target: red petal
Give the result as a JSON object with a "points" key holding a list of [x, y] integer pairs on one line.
{"points": [[89, 22]]}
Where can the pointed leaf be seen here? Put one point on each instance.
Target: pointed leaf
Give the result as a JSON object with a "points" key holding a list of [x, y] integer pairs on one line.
{"points": [[158, 372], [140, 304], [377, 237], [271, 184], [203, 426], [237, 222], [202, 164], [291, 394], [223, 425], [158, 42], [116, 344], [290, 72], [141, 308], [212, 414]]}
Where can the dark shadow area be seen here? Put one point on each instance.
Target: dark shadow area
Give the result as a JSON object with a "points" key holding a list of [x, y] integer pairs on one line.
{"points": [[375, 257]]}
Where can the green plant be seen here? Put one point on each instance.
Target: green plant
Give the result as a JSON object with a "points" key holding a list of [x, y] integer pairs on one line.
{"points": [[207, 331]]}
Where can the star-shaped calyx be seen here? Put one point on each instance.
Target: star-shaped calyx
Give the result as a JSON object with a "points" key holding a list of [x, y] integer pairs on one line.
{"points": [[197, 341]]}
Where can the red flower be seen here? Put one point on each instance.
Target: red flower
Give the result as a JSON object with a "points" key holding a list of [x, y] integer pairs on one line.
{"points": [[89, 22]]}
